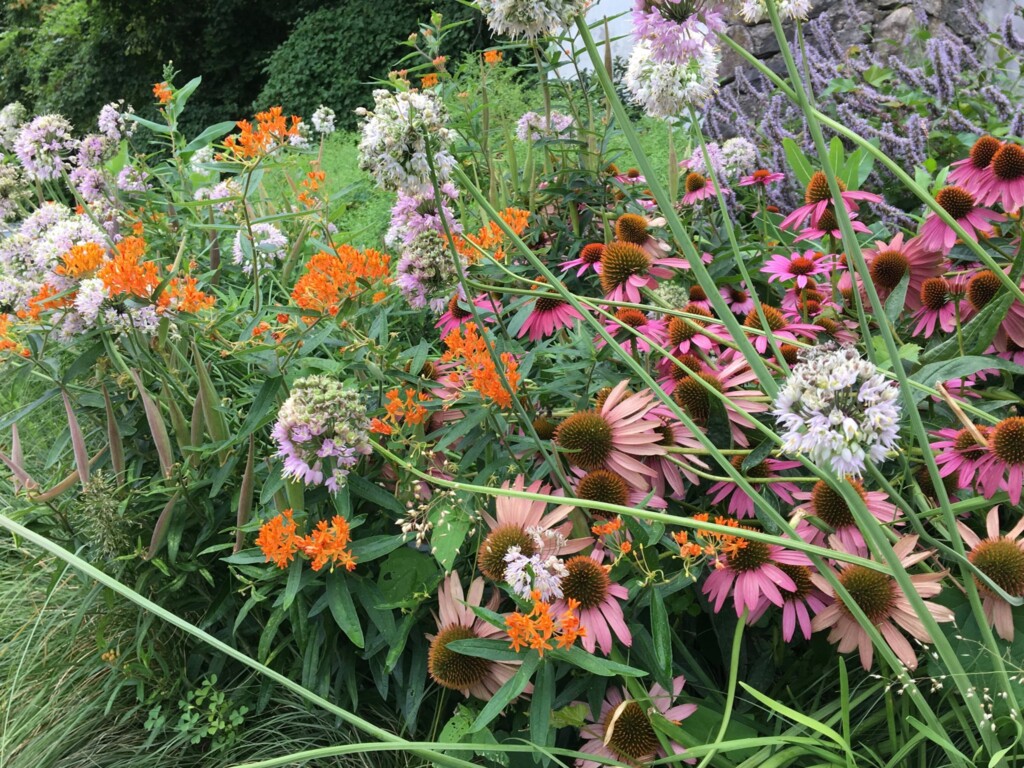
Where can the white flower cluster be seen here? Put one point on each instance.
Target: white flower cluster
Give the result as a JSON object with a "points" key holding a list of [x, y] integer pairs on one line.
{"points": [[732, 159], [537, 572], [530, 18], [323, 120], [754, 11], [838, 409], [402, 134], [534, 127], [12, 117], [666, 89]]}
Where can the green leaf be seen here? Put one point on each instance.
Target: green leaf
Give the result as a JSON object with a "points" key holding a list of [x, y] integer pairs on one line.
{"points": [[595, 664], [958, 368], [294, 583], [541, 704], [343, 609], [662, 634], [373, 547], [756, 456], [451, 524], [897, 299], [507, 693], [977, 334], [163, 130], [796, 717], [496, 650], [209, 134], [798, 161], [261, 407], [373, 493]]}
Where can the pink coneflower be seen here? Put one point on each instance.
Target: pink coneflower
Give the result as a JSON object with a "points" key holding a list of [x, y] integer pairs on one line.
{"points": [[826, 225], [810, 299], [673, 467], [694, 399], [982, 287], [797, 605], [613, 436], [651, 329], [829, 506], [936, 235], [740, 504], [622, 730], [749, 572], [471, 675], [631, 176], [686, 334], [634, 228], [611, 488], [456, 314], [738, 298], [1001, 558], [698, 187], [625, 268], [549, 315], [889, 262], [974, 172], [938, 299], [1006, 184], [800, 267], [519, 522], [1006, 446], [959, 454], [782, 328], [589, 258], [761, 178], [698, 298], [817, 198], [837, 329], [599, 612], [880, 598]]}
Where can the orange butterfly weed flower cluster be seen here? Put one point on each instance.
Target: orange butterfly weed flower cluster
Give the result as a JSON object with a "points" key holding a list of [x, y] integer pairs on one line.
{"points": [[43, 302], [493, 57], [183, 295], [314, 179], [607, 529], [7, 344], [471, 355], [709, 544], [83, 259], [162, 92], [428, 80], [328, 543], [125, 274], [271, 130], [490, 238], [409, 410], [536, 629], [331, 278]]}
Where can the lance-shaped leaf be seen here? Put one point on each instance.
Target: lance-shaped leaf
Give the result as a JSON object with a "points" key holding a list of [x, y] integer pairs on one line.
{"points": [[114, 438], [182, 431], [163, 523], [77, 440], [157, 427], [196, 426], [215, 423], [245, 496]]}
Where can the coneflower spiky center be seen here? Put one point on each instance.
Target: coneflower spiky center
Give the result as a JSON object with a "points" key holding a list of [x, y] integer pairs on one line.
{"points": [[817, 188], [544, 427], [830, 506], [586, 581], [491, 557], [451, 669], [628, 732], [801, 576], [668, 434], [776, 320], [587, 438], [691, 362], [458, 312], [827, 221], [697, 293], [982, 288], [888, 268], [1007, 440], [545, 304], [790, 353], [620, 262], [631, 228], [801, 265], [694, 398], [984, 150], [738, 296], [924, 480], [935, 293], [1008, 162], [605, 486], [682, 329], [873, 592], [634, 318], [967, 445], [761, 469], [592, 253], [956, 201], [1002, 560], [695, 182], [750, 556]]}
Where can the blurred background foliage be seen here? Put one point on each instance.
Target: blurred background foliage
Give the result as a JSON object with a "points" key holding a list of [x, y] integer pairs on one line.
{"points": [[74, 56]]}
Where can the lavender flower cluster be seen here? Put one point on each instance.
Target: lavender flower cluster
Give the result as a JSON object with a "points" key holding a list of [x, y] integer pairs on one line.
{"points": [[540, 571], [530, 18], [412, 215], [534, 127], [321, 431], [839, 410], [405, 134], [426, 272], [268, 245], [44, 147]]}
